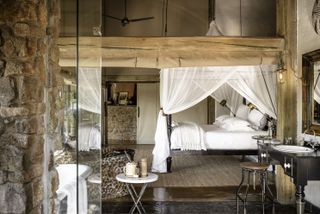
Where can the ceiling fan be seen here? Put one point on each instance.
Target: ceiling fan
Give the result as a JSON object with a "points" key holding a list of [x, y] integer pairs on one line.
{"points": [[125, 20]]}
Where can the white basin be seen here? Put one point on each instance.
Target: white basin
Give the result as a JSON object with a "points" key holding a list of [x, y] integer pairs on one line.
{"points": [[70, 184], [69, 171], [293, 149]]}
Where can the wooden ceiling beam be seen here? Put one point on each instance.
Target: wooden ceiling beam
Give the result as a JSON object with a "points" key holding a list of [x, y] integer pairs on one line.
{"points": [[164, 52]]}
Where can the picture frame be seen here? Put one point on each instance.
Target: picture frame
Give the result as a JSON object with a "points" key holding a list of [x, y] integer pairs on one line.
{"points": [[123, 97]]}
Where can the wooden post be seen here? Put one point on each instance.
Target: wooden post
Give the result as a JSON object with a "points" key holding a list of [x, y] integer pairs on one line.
{"points": [[169, 159], [287, 92]]}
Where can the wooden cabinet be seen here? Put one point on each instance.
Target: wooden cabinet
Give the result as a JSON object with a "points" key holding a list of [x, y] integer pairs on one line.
{"points": [[132, 123]]}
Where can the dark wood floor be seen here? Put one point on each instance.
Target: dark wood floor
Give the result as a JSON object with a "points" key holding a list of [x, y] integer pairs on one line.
{"points": [[216, 200], [190, 208], [188, 200]]}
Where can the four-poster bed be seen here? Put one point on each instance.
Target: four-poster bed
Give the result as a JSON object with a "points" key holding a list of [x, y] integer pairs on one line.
{"points": [[182, 88]]}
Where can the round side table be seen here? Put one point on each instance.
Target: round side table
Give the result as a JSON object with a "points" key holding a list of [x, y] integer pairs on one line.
{"points": [[129, 181]]}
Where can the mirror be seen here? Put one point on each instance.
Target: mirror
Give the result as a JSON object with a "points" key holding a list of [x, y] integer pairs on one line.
{"points": [[316, 93], [311, 92]]}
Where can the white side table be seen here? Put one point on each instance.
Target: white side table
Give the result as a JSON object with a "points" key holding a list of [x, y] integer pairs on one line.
{"points": [[94, 179], [133, 193]]}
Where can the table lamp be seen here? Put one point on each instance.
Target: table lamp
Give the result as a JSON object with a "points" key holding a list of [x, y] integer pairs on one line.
{"points": [[224, 104]]}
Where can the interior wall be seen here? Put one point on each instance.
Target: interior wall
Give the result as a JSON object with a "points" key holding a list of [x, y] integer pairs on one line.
{"points": [[190, 18], [196, 114], [258, 18], [185, 18], [89, 18], [220, 110], [308, 41]]}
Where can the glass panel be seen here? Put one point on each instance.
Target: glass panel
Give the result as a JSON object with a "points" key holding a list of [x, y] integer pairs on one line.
{"points": [[78, 157], [65, 149], [89, 106]]}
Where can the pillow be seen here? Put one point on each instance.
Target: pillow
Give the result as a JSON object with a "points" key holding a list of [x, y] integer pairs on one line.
{"points": [[222, 118], [243, 112], [236, 124], [174, 123], [257, 118]]}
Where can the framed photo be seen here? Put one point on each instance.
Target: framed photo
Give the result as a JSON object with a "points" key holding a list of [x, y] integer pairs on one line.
{"points": [[123, 98]]}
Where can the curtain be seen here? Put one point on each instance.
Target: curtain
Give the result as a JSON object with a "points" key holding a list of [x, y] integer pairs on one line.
{"points": [[258, 85], [226, 92], [182, 88], [90, 89], [89, 82]]}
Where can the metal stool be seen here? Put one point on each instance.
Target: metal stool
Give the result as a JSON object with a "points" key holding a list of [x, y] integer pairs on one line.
{"points": [[255, 168]]}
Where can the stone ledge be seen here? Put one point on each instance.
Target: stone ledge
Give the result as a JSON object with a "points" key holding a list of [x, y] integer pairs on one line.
{"points": [[7, 89], [23, 141], [32, 125], [14, 198], [34, 192], [13, 111], [32, 171], [11, 158]]}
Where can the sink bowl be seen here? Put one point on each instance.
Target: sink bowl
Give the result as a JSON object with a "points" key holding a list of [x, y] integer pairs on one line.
{"points": [[293, 149]]}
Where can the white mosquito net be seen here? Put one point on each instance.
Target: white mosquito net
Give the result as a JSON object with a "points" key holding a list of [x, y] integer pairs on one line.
{"points": [[182, 88]]}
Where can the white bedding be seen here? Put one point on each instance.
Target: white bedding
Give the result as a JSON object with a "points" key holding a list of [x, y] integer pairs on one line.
{"points": [[188, 136], [215, 137], [220, 139], [89, 137]]}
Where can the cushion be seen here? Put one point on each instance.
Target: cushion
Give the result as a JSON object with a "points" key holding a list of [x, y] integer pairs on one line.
{"points": [[257, 118], [236, 124], [243, 112], [222, 118]]}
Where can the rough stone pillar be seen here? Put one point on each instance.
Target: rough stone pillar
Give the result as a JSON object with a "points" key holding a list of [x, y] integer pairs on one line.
{"points": [[28, 72]]}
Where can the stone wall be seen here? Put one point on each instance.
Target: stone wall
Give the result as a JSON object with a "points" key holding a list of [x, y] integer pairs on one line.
{"points": [[29, 88], [122, 123]]}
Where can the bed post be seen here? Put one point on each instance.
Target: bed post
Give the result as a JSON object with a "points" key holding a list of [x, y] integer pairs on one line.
{"points": [[169, 130]]}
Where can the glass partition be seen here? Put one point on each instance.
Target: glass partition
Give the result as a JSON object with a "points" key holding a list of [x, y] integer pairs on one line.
{"points": [[89, 106], [77, 158], [65, 153]]}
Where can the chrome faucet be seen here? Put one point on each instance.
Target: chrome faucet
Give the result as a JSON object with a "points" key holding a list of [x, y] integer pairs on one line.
{"points": [[315, 145], [288, 141]]}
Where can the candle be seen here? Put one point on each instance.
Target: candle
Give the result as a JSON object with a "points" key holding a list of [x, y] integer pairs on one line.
{"points": [[143, 167]]}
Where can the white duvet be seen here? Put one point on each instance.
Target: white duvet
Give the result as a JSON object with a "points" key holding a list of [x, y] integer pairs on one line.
{"points": [[227, 134]]}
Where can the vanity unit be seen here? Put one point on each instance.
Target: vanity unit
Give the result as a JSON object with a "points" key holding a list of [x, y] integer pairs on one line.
{"points": [[298, 164]]}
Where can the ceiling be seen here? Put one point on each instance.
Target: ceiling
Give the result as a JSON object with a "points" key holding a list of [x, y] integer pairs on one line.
{"points": [[184, 18]]}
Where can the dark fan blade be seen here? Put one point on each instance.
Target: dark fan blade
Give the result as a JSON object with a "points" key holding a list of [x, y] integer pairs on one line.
{"points": [[141, 19], [112, 17]]}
